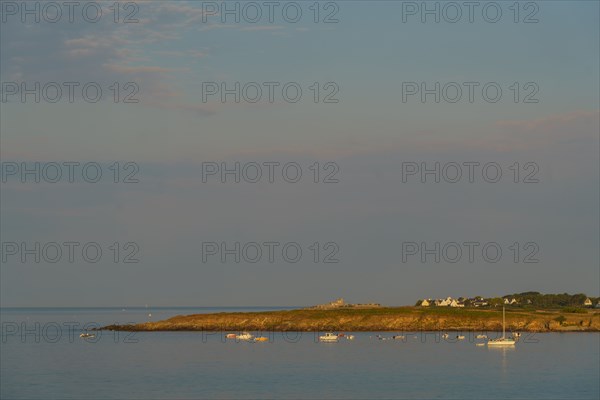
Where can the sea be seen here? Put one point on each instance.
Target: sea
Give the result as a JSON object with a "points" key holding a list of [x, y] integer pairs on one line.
{"points": [[43, 357]]}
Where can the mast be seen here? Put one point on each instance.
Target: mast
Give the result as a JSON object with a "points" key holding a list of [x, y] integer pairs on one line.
{"points": [[503, 321]]}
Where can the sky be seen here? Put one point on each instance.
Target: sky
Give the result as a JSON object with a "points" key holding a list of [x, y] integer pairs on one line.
{"points": [[368, 136]]}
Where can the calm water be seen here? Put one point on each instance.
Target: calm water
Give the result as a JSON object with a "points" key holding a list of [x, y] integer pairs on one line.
{"points": [[46, 363]]}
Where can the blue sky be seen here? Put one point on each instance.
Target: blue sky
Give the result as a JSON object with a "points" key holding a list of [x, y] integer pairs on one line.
{"points": [[369, 133]]}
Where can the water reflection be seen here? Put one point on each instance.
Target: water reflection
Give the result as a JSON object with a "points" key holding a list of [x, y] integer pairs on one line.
{"points": [[504, 350]]}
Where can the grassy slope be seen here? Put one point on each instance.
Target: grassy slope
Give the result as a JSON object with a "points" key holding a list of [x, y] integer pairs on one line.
{"points": [[377, 319]]}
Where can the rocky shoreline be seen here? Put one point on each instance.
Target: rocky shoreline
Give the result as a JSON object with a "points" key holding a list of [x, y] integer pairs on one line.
{"points": [[377, 319]]}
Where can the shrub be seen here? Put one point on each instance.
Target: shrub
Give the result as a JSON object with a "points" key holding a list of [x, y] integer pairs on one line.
{"points": [[560, 319], [574, 310]]}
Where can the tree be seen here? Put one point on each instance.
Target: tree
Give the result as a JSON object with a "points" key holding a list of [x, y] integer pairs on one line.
{"points": [[496, 301]]}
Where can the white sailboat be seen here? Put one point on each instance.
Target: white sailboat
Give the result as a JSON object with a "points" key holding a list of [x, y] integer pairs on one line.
{"points": [[502, 341]]}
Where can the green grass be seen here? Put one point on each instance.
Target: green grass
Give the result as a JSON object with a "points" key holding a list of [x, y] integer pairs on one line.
{"points": [[575, 310]]}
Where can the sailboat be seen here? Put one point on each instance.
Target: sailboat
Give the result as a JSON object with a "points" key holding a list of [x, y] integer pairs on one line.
{"points": [[502, 341]]}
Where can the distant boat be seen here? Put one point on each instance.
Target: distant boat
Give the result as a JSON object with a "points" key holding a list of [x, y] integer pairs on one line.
{"points": [[87, 335], [502, 341], [261, 339], [445, 336], [231, 336], [329, 337], [516, 335], [245, 336], [481, 337], [350, 337], [399, 337], [460, 337]]}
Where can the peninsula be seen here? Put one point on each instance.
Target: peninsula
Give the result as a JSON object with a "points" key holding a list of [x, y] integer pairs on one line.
{"points": [[414, 318]]}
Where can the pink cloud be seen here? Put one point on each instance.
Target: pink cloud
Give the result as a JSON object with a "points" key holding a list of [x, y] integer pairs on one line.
{"points": [[551, 121], [262, 28], [124, 69]]}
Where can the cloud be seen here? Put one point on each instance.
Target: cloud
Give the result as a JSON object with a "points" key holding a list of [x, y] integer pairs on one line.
{"points": [[199, 110], [552, 134], [141, 69], [579, 127], [551, 121], [106, 52], [262, 28], [181, 53]]}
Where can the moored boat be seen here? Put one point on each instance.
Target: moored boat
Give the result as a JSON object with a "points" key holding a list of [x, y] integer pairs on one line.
{"points": [[328, 337], [502, 341], [245, 336]]}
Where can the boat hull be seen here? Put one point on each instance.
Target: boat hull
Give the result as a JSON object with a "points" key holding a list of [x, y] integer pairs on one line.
{"points": [[506, 342]]}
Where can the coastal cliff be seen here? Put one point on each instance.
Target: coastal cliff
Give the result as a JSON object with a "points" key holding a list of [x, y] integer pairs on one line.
{"points": [[379, 319]]}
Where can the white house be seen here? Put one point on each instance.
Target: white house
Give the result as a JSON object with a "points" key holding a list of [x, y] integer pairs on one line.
{"points": [[455, 303], [425, 303], [587, 302], [444, 303]]}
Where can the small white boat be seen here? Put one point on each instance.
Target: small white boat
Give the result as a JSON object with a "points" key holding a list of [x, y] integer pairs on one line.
{"points": [[460, 337], [245, 336], [479, 344], [329, 337], [502, 341], [350, 337], [231, 336], [516, 335], [481, 337], [398, 337], [445, 336], [87, 335]]}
